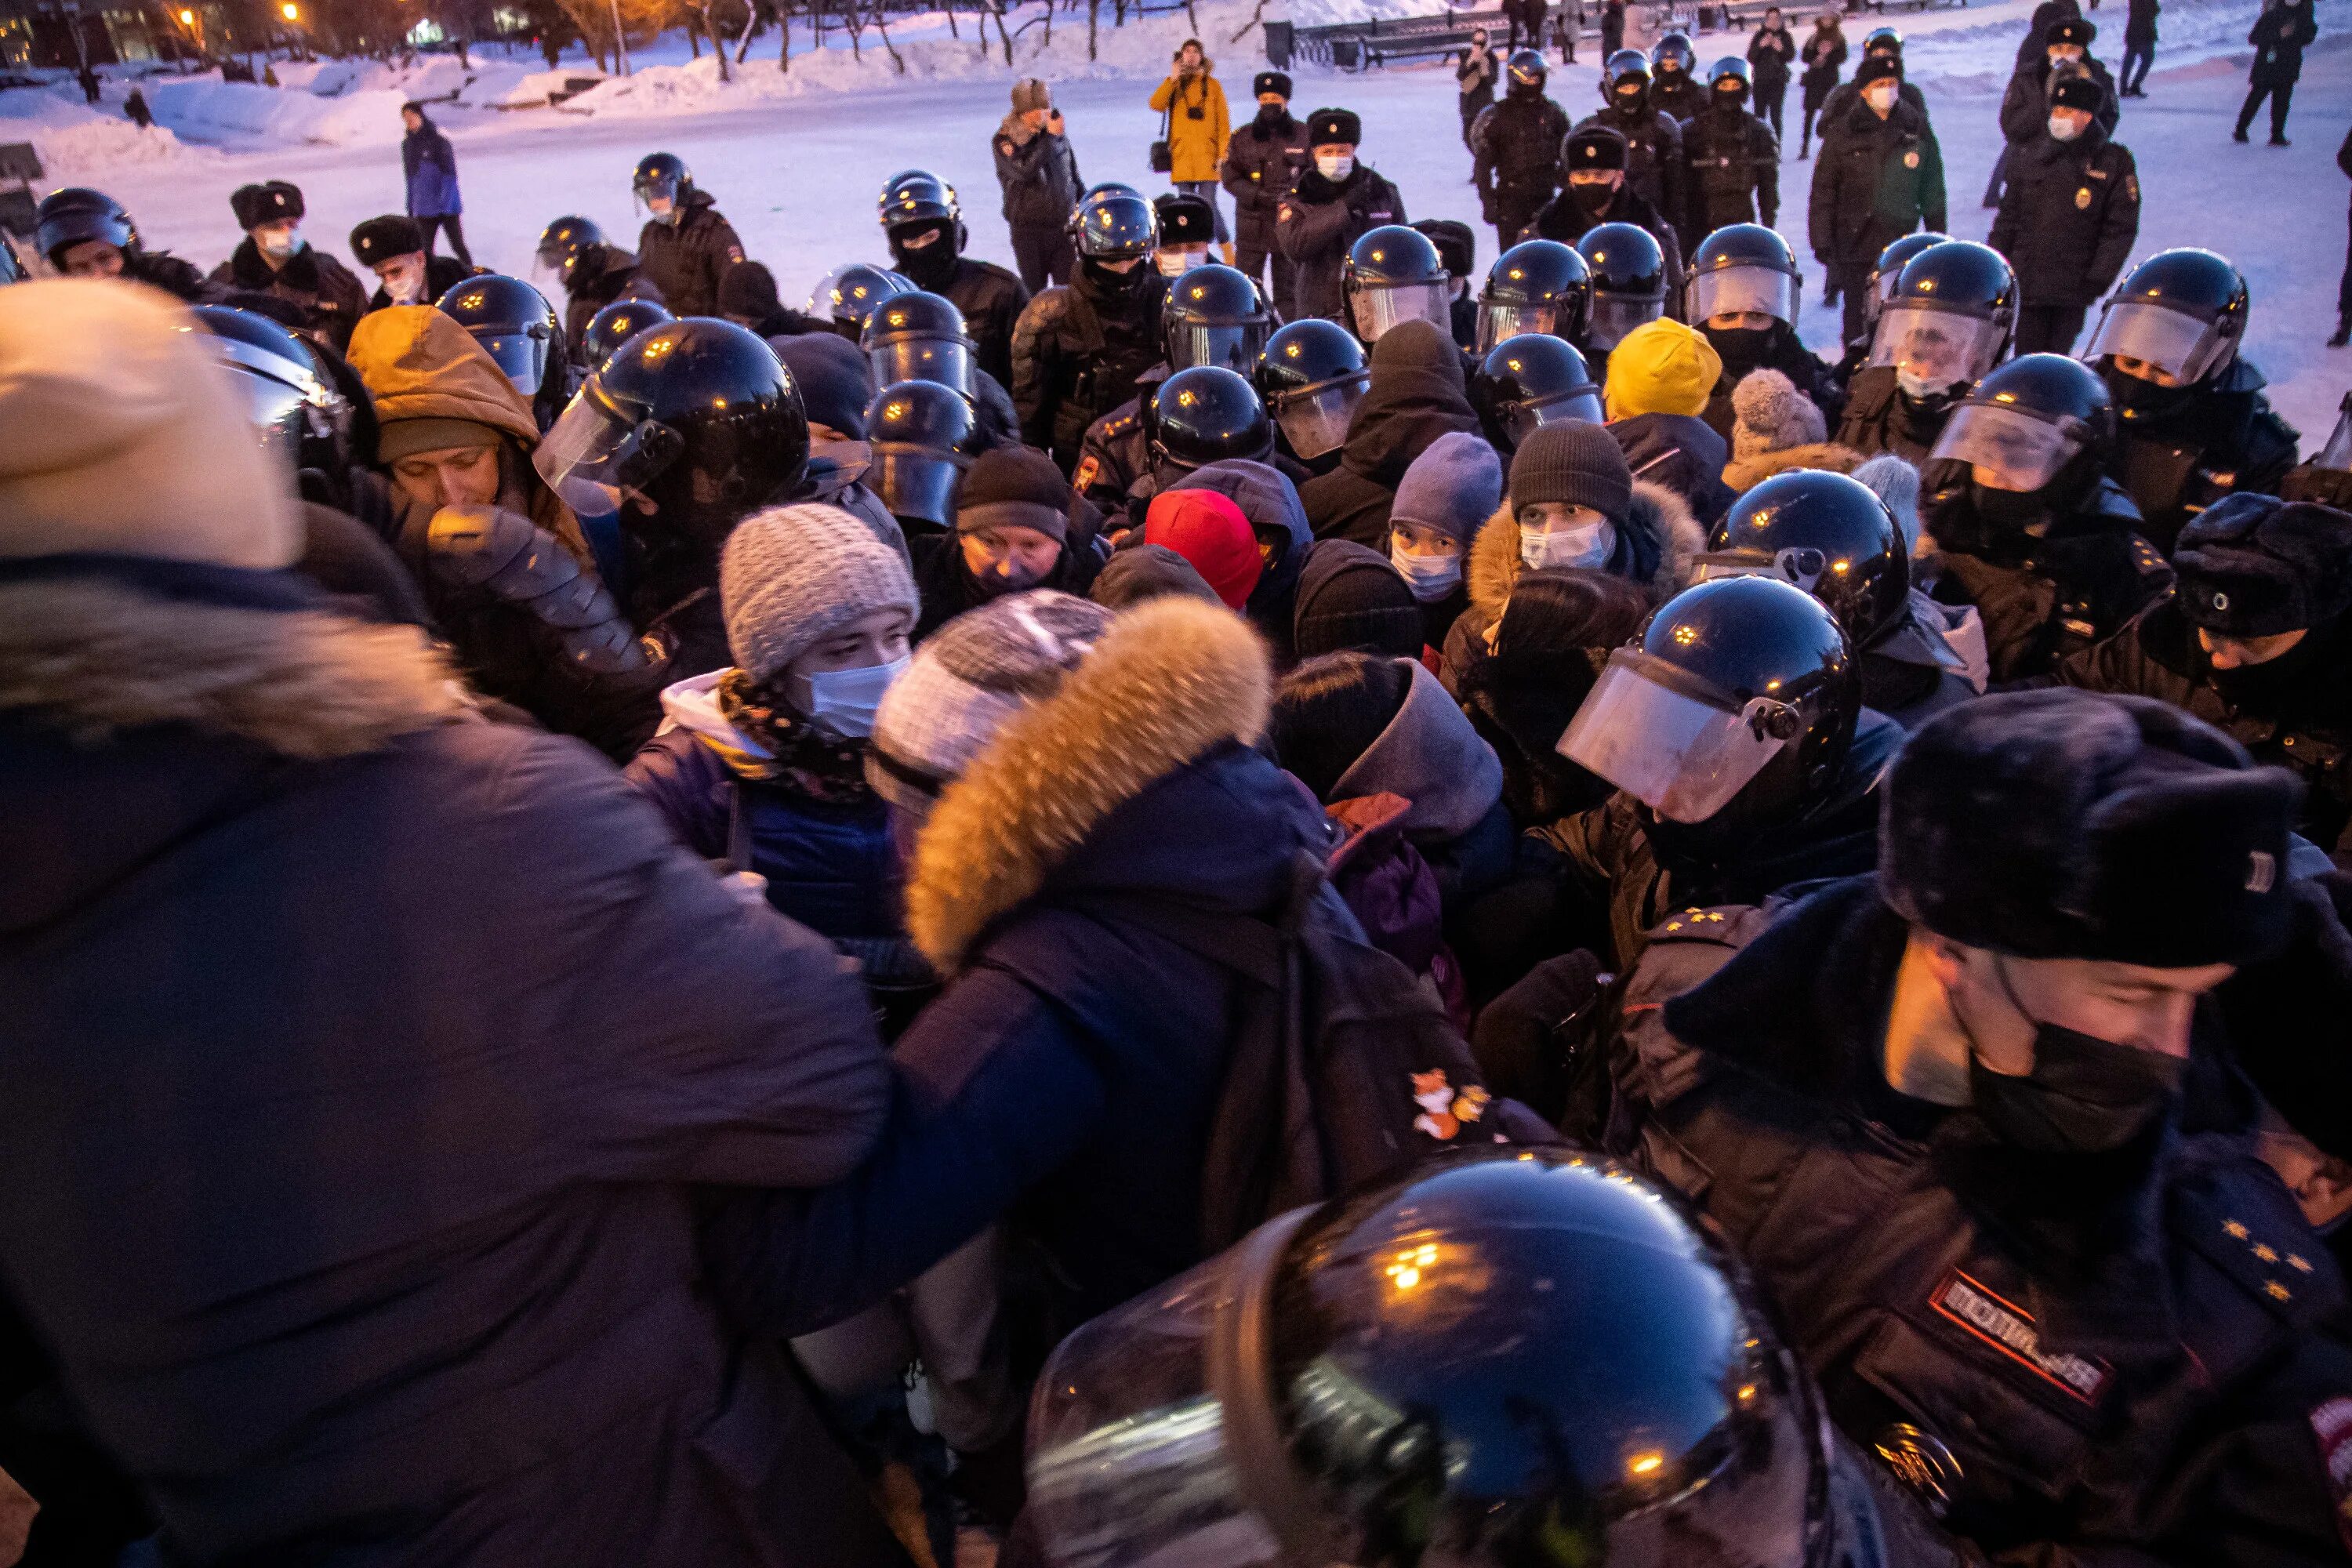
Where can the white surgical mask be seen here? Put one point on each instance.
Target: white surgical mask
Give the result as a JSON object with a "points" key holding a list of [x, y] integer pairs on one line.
{"points": [[291, 242], [1431, 577], [2063, 129], [1334, 167], [1881, 96], [1175, 263], [408, 288], [1916, 385], [843, 701], [1578, 545]]}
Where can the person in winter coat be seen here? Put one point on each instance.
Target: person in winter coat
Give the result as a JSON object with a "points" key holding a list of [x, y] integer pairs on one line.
{"points": [[1883, 178], [1334, 205], [1208, 530], [2254, 640], [686, 247], [1515, 151], [1416, 396], [78, 230], [762, 765], [1776, 428], [1264, 161], [430, 165], [1734, 162], [1350, 597], [1771, 55], [1942, 1226], [1612, 27], [1080, 352], [2280, 34], [1824, 58], [1661, 376], [1655, 169], [1883, 45], [1280, 537], [599, 275], [393, 248], [1599, 191], [2068, 219], [1475, 75], [748, 296], [1066, 777], [1136, 573], [1447, 494], [274, 259], [1039, 175], [1018, 526], [428, 1024], [2140, 49], [1198, 127], [2066, 56]]}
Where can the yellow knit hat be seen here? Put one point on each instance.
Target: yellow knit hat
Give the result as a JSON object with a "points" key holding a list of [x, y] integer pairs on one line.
{"points": [[1661, 367]]}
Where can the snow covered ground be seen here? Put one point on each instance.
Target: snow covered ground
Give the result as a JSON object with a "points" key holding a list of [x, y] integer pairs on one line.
{"points": [[795, 162]]}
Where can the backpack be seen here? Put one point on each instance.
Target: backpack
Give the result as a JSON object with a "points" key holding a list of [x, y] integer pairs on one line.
{"points": [[1343, 1065]]}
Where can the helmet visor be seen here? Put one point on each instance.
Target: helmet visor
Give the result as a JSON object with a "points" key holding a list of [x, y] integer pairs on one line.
{"points": [[1316, 421], [662, 188], [1942, 348], [1380, 308], [276, 412], [1521, 420], [523, 355], [916, 481], [1663, 737], [1764, 289], [2021, 451], [593, 452], [1803, 566], [1235, 347], [1497, 323], [2180, 345], [1614, 315], [945, 360]]}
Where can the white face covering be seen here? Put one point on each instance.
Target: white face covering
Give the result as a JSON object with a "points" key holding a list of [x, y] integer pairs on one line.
{"points": [[1881, 96], [1917, 386], [1334, 167], [279, 245], [1578, 545], [1431, 577], [2063, 129], [843, 701], [1175, 263], [406, 287]]}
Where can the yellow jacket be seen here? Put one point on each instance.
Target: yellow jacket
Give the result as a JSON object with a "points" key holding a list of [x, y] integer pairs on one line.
{"points": [[1194, 146]]}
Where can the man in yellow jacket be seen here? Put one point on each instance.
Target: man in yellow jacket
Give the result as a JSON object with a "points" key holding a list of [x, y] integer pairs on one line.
{"points": [[1197, 130]]}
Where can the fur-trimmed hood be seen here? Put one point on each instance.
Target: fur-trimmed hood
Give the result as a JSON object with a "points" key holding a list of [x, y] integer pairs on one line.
{"points": [[1171, 681], [1741, 474], [1657, 513]]}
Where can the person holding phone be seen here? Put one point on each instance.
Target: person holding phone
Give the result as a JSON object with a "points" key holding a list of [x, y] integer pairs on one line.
{"points": [[1196, 131], [1039, 175]]}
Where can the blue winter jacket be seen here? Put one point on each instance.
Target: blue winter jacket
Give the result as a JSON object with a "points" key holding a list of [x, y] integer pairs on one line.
{"points": [[431, 165]]}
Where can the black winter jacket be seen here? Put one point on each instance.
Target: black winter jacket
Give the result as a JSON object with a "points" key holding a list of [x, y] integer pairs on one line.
{"points": [[2025, 102], [1039, 175], [1771, 55], [321, 288], [1734, 162], [1314, 228], [1880, 179], [2223, 439], [1515, 147], [991, 299], [1881, 417], [1567, 217], [2069, 215], [1654, 155], [1078, 351], [2048, 594], [685, 260], [1264, 161], [1824, 57], [1416, 395], [2280, 34]]}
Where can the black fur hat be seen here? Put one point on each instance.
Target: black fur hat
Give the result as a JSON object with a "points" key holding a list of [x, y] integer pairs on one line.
{"points": [[1457, 244], [1270, 81], [1596, 147], [1327, 126], [381, 238], [2068, 824], [2077, 30], [2254, 566], [270, 202], [1185, 219]]}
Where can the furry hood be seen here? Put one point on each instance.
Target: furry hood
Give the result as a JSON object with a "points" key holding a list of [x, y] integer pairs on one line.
{"points": [[1741, 473], [1655, 512], [1172, 678], [93, 656]]}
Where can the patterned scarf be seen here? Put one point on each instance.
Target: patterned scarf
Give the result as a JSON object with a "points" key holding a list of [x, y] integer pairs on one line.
{"points": [[819, 766]]}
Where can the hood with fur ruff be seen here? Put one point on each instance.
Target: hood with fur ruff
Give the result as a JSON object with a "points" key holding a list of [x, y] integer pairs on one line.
{"points": [[1172, 678], [1745, 473], [1658, 513]]}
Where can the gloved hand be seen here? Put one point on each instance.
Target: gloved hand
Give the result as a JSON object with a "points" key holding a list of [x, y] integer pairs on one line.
{"points": [[1524, 1039]]}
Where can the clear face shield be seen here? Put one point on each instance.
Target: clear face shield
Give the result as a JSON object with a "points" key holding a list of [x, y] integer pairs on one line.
{"points": [[596, 450], [1315, 420], [1671, 740], [1765, 288], [916, 481], [1520, 420], [1235, 345], [657, 196], [523, 355], [945, 361], [1497, 323], [2021, 452], [1379, 308], [1936, 350], [1614, 315], [2184, 347]]}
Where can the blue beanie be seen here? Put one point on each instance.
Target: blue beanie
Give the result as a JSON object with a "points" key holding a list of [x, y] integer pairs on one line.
{"points": [[835, 382], [1453, 485]]}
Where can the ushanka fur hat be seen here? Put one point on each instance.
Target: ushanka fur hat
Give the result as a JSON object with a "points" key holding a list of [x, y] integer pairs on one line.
{"points": [[2254, 566], [2069, 825]]}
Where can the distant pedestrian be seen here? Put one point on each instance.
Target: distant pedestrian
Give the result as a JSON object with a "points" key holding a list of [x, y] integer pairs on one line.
{"points": [[135, 106], [1612, 27], [431, 165], [2344, 289], [1771, 51], [1824, 57], [2140, 47], [1565, 27], [1474, 80], [1040, 177], [88, 79], [2279, 35], [1197, 129]]}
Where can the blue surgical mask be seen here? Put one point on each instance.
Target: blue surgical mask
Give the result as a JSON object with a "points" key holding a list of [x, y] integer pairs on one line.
{"points": [[843, 701], [1431, 577], [1334, 168]]}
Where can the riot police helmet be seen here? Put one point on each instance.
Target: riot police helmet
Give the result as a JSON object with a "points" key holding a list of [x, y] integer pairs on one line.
{"points": [[1948, 317], [1743, 267], [1827, 534], [917, 336], [2175, 321], [1206, 414], [1214, 315], [1530, 381], [1628, 281], [1537, 286], [923, 435], [616, 324], [1393, 274], [290, 398], [1311, 376]]}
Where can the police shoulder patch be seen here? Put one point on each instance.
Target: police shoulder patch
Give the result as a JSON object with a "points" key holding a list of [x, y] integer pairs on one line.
{"points": [[1089, 469], [2131, 186]]}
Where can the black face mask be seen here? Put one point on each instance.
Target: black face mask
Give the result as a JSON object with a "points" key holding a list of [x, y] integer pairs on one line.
{"points": [[1105, 284], [933, 266], [2006, 513], [1741, 349], [1272, 116], [2085, 1095], [1593, 200], [2144, 401]]}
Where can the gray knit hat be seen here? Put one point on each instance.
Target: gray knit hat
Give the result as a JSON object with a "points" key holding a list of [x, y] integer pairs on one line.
{"points": [[1574, 463], [793, 575], [966, 680], [1453, 485]]}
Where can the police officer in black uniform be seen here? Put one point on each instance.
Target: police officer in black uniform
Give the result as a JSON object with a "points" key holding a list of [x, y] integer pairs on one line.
{"points": [[2194, 424], [1515, 147], [1882, 50], [1537, 286], [1600, 191], [1973, 1124], [518, 328], [616, 324], [1632, 275], [2068, 216], [1879, 177], [1675, 87], [923, 223], [1311, 376], [2033, 534], [86, 234], [1653, 139], [921, 336], [593, 272], [685, 244], [923, 435], [1213, 315], [1081, 350], [1743, 292], [1733, 158], [1948, 317]]}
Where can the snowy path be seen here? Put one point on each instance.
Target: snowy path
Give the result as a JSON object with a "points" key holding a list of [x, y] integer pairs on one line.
{"points": [[798, 177]]}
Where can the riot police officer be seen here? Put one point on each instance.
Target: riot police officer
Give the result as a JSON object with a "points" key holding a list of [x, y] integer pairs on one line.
{"points": [[921, 336], [1883, 275], [1654, 141], [853, 293], [2033, 532], [685, 243], [2068, 216], [923, 222], [517, 327], [1631, 277], [1393, 274], [1203, 415], [292, 402], [1515, 147], [1946, 319], [923, 435], [1600, 191], [86, 234], [1530, 381], [1830, 536], [1213, 315], [1733, 158], [2194, 424], [1675, 87], [1537, 286], [1081, 350], [1311, 376], [616, 324], [593, 272], [1743, 291]]}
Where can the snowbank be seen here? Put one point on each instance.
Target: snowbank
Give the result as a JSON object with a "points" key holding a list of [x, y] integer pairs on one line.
{"points": [[68, 135], [205, 109]]}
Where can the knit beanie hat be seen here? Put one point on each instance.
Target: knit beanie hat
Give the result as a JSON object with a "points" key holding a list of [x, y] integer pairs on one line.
{"points": [[380, 239], [1662, 367], [1209, 530], [2254, 566], [1770, 414], [1453, 487], [791, 576], [835, 382], [1029, 93], [121, 434], [1896, 483], [1014, 487], [748, 288], [1349, 597], [1573, 462], [966, 680], [1141, 572]]}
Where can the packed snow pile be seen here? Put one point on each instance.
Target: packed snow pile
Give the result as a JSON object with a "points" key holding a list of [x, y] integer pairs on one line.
{"points": [[70, 135], [206, 108]]}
